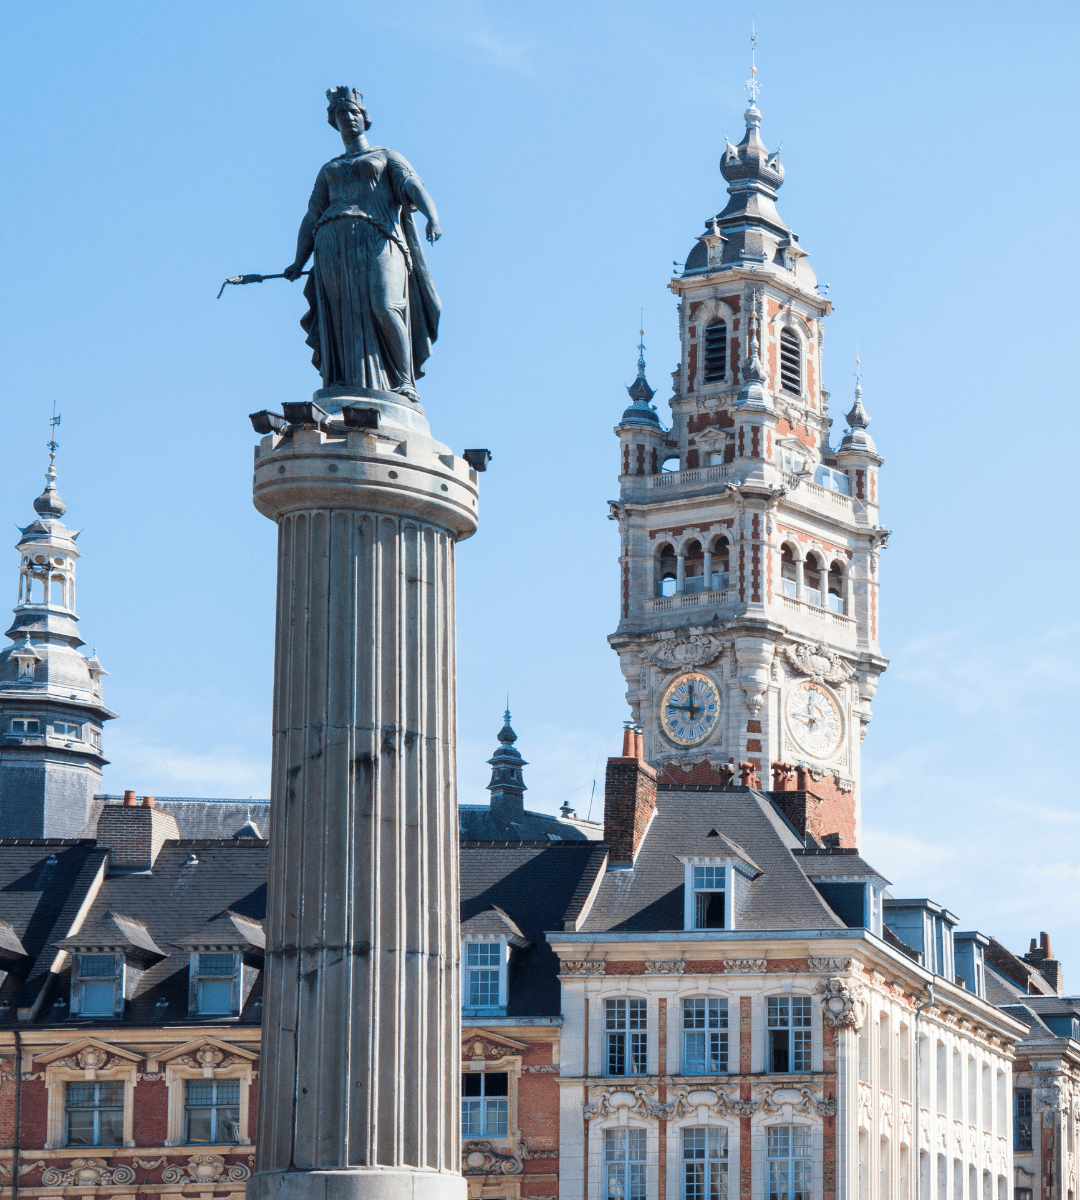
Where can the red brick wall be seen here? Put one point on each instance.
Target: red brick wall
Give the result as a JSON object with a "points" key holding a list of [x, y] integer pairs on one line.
{"points": [[629, 802]]}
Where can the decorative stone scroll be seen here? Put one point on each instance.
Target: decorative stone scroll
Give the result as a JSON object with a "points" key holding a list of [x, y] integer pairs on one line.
{"points": [[817, 660], [685, 1100], [25, 1169], [801, 1099], [745, 966], [681, 651], [86, 1173], [542, 1069], [662, 966], [481, 1158], [840, 1007], [581, 966], [204, 1168], [829, 964]]}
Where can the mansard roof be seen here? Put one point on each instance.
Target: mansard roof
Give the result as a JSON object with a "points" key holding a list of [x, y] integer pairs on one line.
{"points": [[534, 884], [649, 896]]}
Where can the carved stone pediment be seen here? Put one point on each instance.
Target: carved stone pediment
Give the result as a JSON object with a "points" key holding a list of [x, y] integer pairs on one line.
{"points": [[818, 661], [800, 1099], [694, 650], [87, 1172]]}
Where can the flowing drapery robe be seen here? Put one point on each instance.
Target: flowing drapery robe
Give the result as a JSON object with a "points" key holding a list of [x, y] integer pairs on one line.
{"points": [[373, 310]]}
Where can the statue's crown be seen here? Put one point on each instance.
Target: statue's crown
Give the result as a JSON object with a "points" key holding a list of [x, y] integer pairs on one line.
{"points": [[344, 95]]}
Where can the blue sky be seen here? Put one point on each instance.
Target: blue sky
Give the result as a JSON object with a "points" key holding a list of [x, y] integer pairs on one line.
{"points": [[151, 150]]}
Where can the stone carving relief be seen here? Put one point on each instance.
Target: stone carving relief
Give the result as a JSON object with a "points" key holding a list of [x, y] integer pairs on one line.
{"points": [[543, 1069], [581, 966], [481, 1158], [819, 662], [905, 1123], [92, 1058], [87, 1172], [481, 1048], [745, 966], [801, 1099], [657, 966], [885, 1104], [607, 1101], [840, 1004], [150, 1164], [206, 1056], [681, 651], [25, 1169], [204, 1168], [524, 1151], [866, 1105], [829, 964]]}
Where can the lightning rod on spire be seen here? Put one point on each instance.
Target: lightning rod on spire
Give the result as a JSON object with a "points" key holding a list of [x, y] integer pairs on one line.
{"points": [[53, 444], [752, 85]]}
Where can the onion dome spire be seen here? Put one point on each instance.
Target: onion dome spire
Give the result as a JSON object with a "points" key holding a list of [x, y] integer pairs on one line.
{"points": [[858, 419], [507, 787], [641, 412], [49, 504]]}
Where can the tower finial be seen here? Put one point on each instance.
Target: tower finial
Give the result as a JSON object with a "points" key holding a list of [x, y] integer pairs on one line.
{"points": [[752, 84]]}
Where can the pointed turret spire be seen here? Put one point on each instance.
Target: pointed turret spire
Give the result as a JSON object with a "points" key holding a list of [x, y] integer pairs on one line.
{"points": [[507, 787], [641, 412], [752, 392], [858, 419]]}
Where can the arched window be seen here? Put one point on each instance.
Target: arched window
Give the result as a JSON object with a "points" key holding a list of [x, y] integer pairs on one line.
{"points": [[812, 580], [668, 571], [790, 362], [788, 572], [57, 598], [705, 1162], [694, 568], [715, 351], [669, 464], [721, 565], [836, 587]]}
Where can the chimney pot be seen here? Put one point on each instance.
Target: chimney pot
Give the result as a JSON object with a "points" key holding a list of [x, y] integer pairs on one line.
{"points": [[628, 740], [1044, 945], [130, 802], [148, 801]]}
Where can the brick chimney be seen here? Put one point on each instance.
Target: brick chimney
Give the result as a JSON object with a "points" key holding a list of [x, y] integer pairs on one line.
{"points": [[134, 833], [629, 799], [1042, 959]]}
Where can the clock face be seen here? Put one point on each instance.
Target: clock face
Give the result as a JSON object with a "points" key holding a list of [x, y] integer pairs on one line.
{"points": [[690, 709], [815, 720]]}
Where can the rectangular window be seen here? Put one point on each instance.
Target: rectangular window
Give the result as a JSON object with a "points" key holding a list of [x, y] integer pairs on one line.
{"points": [[834, 481], [483, 965], [98, 977], [709, 897], [26, 727], [788, 1148], [64, 729], [705, 1036], [484, 1101], [792, 461], [627, 1032], [1022, 1193], [214, 985], [95, 1114], [624, 1164], [212, 1112], [789, 1034], [1022, 1119], [705, 1163]]}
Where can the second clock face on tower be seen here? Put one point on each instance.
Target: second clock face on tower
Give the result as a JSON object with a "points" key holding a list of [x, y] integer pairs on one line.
{"points": [[690, 709], [814, 720]]}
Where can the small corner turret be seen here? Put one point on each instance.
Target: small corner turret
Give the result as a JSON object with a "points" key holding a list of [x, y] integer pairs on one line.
{"points": [[507, 786], [51, 707]]}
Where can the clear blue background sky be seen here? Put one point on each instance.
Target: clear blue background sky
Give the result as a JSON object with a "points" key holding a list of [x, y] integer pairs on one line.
{"points": [[150, 150]]}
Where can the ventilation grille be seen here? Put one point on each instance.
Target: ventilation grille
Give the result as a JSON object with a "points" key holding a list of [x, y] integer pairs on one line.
{"points": [[790, 362], [715, 352]]}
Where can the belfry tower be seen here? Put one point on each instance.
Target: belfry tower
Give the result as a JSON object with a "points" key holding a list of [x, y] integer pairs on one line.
{"points": [[748, 632], [51, 709]]}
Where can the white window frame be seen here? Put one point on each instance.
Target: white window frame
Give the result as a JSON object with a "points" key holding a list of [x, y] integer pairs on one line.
{"points": [[57, 726], [737, 876], [504, 960], [791, 1029], [215, 1081], [635, 1038], [633, 1135], [721, 1031], [790, 1192], [24, 721], [482, 1099], [62, 1067]]}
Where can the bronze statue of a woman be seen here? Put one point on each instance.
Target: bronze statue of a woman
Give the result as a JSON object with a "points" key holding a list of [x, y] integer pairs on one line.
{"points": [[373, 309]]}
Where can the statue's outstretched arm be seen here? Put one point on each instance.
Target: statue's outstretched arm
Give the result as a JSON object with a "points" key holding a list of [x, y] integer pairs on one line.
{"points": [[417, 193], [305, 244]]}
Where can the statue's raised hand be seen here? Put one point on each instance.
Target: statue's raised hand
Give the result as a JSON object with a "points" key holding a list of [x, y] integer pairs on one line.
{"points": [[433, 231], [293, 271]]}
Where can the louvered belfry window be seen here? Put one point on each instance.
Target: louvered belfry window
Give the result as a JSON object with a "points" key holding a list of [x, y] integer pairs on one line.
{"points": [[790, 362], [715, 351]]}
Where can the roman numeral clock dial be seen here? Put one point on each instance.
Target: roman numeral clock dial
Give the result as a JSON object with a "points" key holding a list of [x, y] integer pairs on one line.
{"points": [[690, 709], [814, 720]]}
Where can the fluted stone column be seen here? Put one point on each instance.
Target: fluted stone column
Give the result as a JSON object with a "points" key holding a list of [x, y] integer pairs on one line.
{"points": [[358, 1090]]}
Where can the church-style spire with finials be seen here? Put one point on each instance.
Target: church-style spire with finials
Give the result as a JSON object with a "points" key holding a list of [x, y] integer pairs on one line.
{"points": [[51, 709], [857, 418], [507, 787], [641, 411]]}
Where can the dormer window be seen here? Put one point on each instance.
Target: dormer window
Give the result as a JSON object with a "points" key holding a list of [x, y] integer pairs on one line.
{"points": [[484, 974], [790, 362], [715, 351], [216, 984], [710, 898], [97, 985]]}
